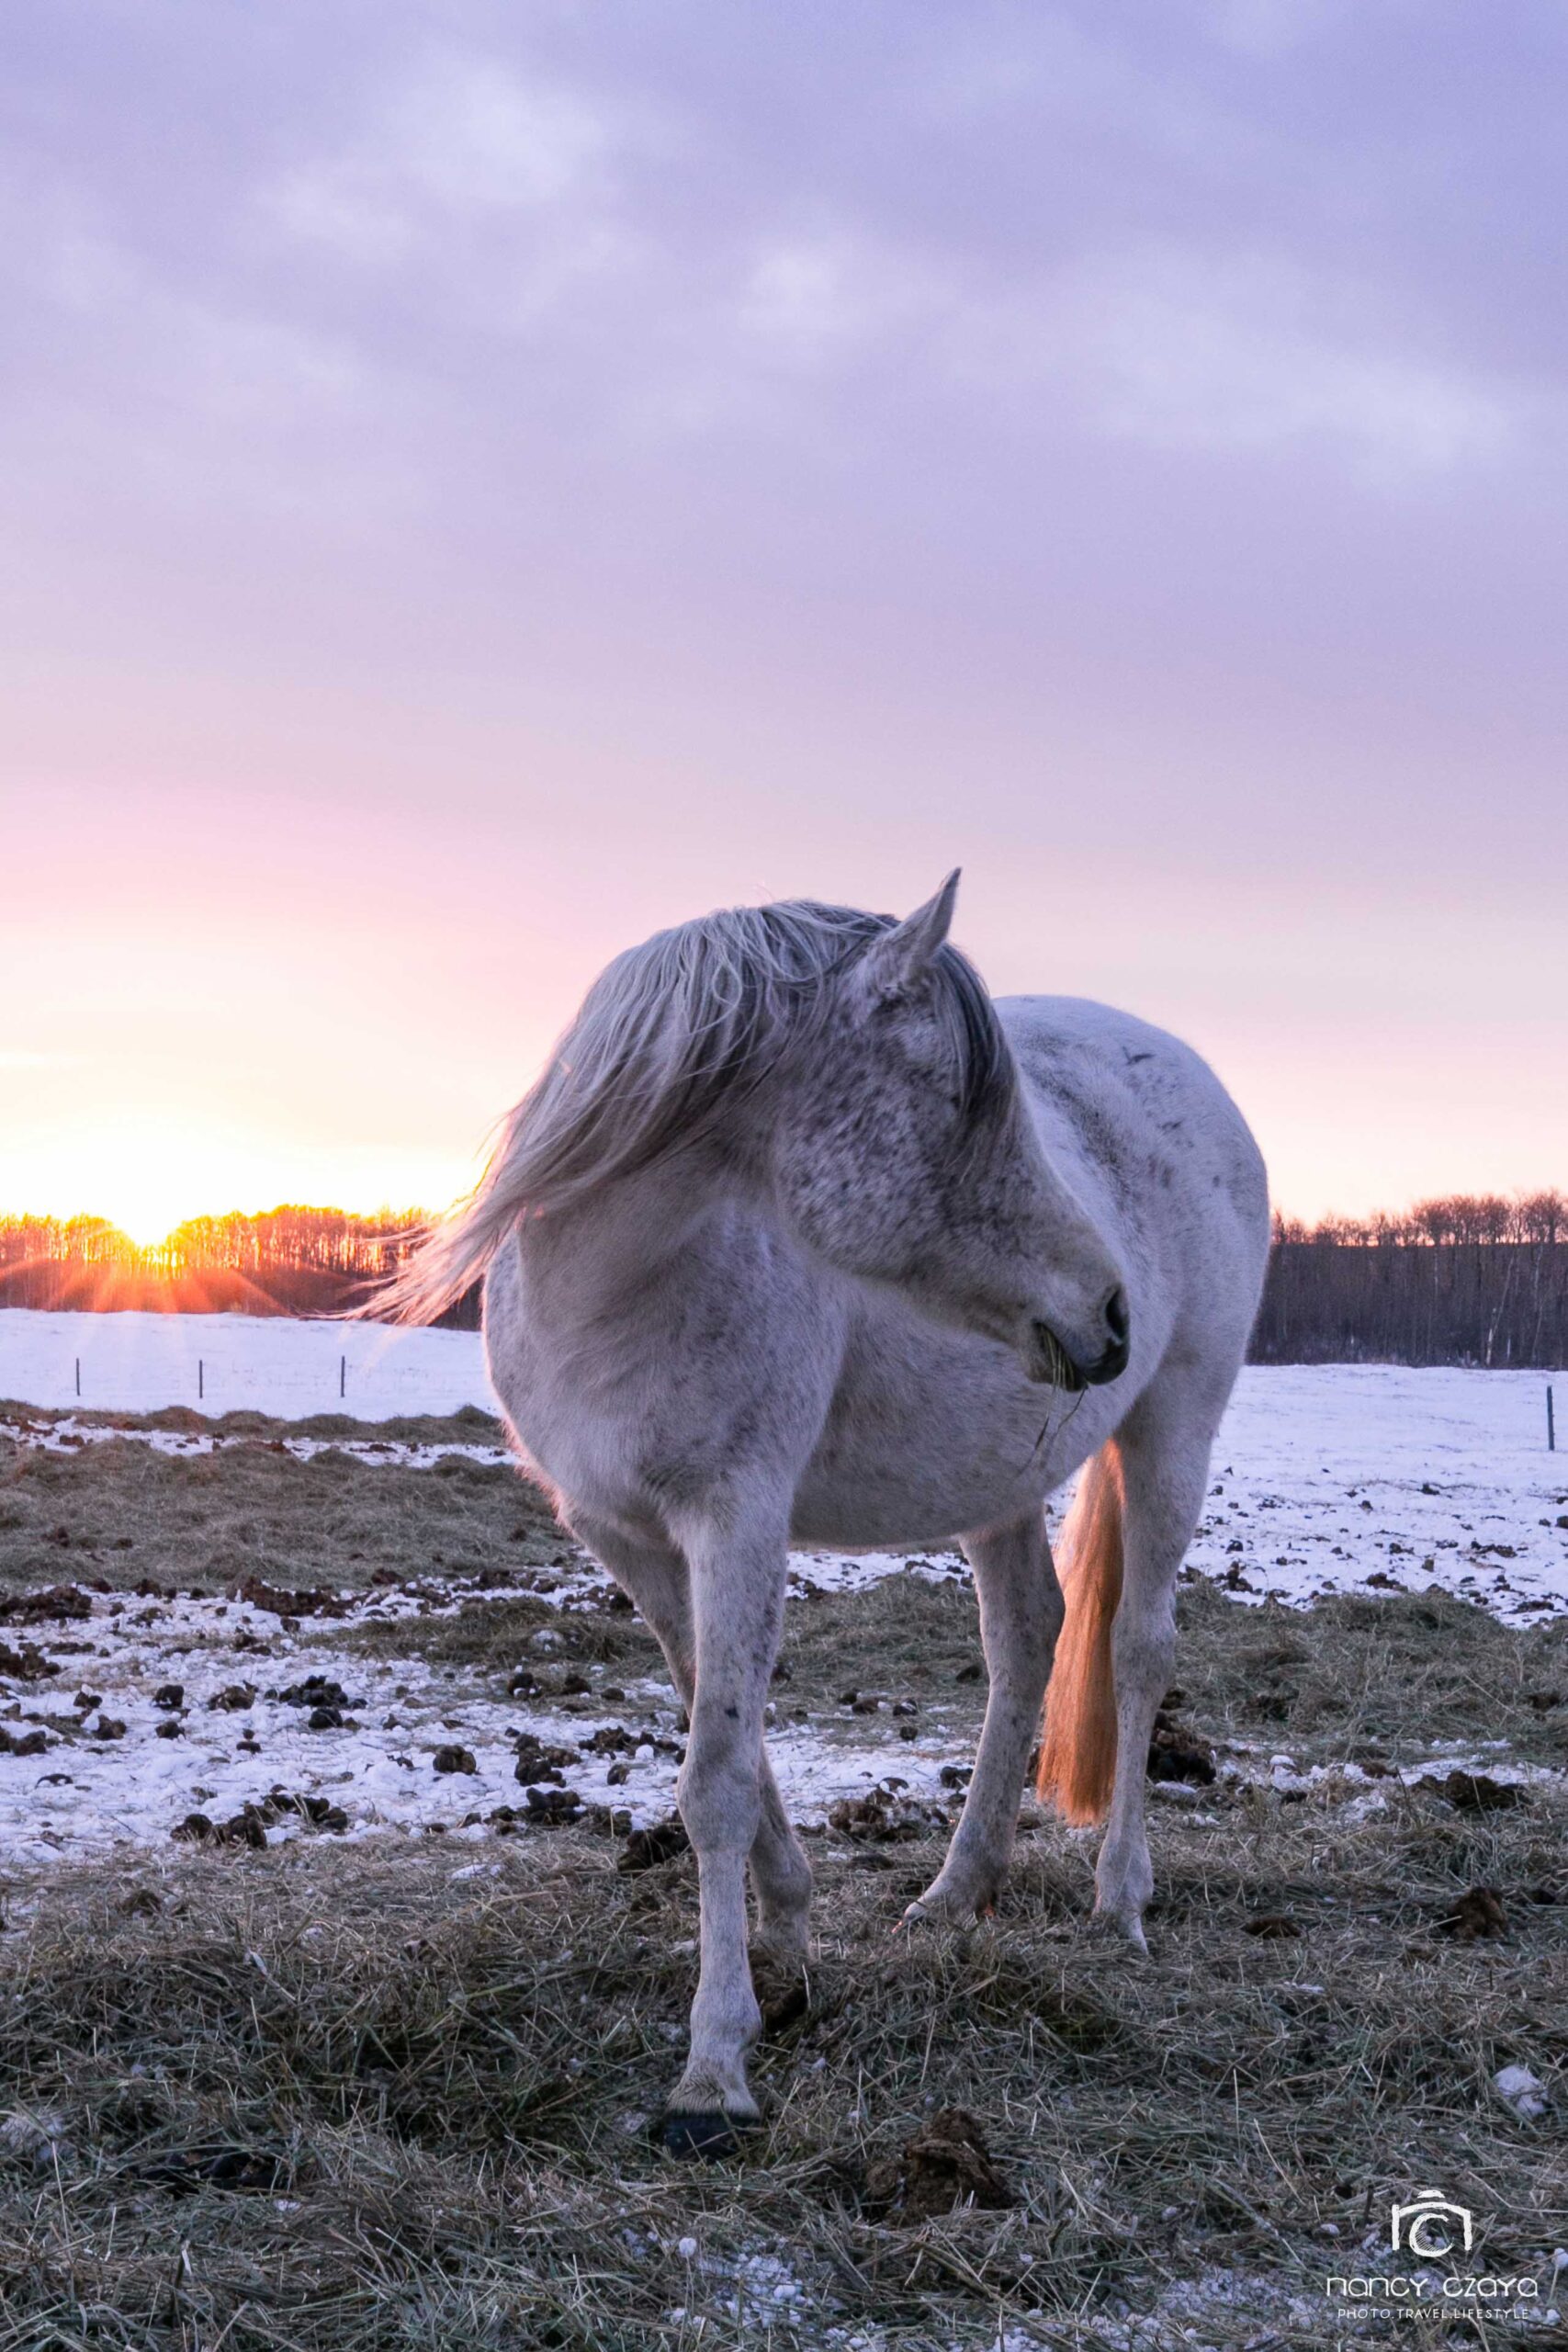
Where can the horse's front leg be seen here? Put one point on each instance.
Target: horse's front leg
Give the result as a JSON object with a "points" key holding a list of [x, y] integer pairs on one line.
{"points": [[654, 1575], [1020, 1615], [737, 1567]]}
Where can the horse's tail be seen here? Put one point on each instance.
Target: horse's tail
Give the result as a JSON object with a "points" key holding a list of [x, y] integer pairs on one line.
{"points": [[1077, 1748]]}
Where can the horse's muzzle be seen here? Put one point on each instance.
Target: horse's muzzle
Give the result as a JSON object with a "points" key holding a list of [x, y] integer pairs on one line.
{"points": [[1049, 1361]]}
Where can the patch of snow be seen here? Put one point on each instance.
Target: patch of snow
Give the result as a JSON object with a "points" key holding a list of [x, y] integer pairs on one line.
{"points": [[1521, 2090], [1179, 2318], [1381, 1478], [70, 1434], [87, 1794]]}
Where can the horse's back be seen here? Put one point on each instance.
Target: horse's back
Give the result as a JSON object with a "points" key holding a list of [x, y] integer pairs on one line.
{"points": [[1157, 1142]]}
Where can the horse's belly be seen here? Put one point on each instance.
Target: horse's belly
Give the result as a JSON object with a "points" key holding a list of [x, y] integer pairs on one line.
{"points": [[863, 1521], [875, 1505]]}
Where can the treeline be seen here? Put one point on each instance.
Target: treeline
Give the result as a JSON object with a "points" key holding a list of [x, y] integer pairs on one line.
{"points": [[1452, 1220], [1470, 1279], [1467, 1279], [288, 1260]]}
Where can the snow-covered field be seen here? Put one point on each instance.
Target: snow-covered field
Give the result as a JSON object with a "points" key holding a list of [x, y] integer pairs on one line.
{"points": [[241, 1737], [227, 1363], [87, 1792], [1329, 1477], [1326, 1478]]}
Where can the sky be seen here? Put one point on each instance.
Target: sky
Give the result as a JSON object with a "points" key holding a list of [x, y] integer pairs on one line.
{"points": [[484, 483]]}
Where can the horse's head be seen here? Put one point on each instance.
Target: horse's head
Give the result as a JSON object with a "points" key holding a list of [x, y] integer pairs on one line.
{"points": [[905, 1153]]}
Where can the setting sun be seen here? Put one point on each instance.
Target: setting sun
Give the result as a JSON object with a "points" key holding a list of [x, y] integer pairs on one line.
{"points": [[148, 1176]]}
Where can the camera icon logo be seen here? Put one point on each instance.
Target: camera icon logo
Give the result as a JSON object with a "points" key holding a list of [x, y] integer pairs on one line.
{"points": [[1430, 2226]]}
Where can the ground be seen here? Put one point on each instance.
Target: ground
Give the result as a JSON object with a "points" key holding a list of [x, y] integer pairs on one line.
{"points": [[384, 2078]]}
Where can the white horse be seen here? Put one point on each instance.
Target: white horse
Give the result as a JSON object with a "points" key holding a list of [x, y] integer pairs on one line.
{"points": [[801, 1236]]}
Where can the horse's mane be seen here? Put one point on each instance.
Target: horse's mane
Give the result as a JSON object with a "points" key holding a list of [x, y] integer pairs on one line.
{"points": [[668, 1034]]}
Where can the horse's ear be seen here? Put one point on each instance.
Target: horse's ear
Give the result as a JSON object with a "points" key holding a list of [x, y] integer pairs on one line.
{"points": [[897, 960]]}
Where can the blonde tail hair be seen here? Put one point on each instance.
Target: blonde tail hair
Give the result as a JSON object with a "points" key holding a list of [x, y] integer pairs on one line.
{"points": [[1077, 1748]]}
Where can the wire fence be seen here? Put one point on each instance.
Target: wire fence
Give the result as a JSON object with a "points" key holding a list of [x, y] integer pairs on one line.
{"points": [[282, 1367]]}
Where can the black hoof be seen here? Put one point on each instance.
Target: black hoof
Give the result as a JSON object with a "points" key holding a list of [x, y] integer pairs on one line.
{"points": [[710, 2135]]}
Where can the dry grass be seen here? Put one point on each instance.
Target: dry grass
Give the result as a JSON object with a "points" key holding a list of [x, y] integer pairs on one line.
{"points": [[121, 1511], [358, 2099], [437, 2087], [1357, 1677]]}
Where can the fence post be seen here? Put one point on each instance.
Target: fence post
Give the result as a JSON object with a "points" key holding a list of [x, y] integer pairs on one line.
{"points": [[200, 1380], [1550, 1424], [78, 1375], [342, 1375]]}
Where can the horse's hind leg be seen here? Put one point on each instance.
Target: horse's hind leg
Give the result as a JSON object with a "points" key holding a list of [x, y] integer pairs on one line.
{"points": [[655, 1575], [1164, 1446], [1021, 1614]]}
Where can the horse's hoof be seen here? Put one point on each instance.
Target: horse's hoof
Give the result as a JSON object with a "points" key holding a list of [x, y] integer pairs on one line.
{"points": [[708, 2136], [947, 1911], [1124, 1928]]}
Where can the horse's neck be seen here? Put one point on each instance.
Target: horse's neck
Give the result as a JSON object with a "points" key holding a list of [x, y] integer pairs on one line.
{"points": [[609, 1255]]}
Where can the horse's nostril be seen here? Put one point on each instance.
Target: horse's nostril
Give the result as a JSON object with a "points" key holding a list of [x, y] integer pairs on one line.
{"points": [[1118, 1316]]}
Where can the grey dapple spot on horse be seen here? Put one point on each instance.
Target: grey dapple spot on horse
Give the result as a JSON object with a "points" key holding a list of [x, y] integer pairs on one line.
{"points": [[800, 1235]]}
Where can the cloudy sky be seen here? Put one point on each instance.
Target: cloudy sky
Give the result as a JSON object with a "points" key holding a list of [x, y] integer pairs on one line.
{"points": [[483, 481]]}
